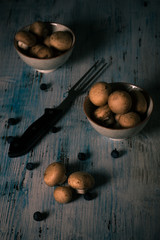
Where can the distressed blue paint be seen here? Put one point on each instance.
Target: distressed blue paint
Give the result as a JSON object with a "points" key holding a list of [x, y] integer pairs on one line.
{"points": [[128, 187]]}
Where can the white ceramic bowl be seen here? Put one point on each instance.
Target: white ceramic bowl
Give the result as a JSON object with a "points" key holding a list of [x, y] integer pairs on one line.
{"points": [[50, 64], [118, 134]]}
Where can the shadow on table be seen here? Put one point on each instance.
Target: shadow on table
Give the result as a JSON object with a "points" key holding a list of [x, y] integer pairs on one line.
{"points": [[91, 37], [154, 123], [101, 178]]}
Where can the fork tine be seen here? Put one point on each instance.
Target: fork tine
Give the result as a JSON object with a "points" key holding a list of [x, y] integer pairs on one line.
{"points": [[85, 75], [93, 77]]}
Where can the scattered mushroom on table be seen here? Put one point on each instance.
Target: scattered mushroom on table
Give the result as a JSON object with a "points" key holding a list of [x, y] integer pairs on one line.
{"points": [[55, 174], [63, 194], [81, 181]]}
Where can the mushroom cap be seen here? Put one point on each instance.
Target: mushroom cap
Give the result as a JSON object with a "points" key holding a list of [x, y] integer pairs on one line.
{"points": [[61, 40], [39, 28], [99, 93], [139, 102], [47, 41], [81, 180], [41, 51], [55, 174], [104, 115], [45, 52], [120, 102], [129, 119], [35, 49], [63, 194], [26, 37]]}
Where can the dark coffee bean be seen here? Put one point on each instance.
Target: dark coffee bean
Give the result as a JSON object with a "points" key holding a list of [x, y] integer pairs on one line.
{"points": [[12, 121], [43, 86], [89, 196], [81, 156], [30, 166], [115, 153], [38, 216]]}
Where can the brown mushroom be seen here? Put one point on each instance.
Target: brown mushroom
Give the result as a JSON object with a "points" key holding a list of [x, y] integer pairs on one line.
{"points": [[39, 28], [61, 40], [81, 181], [55, 174], [129, 119], [47, 41], [41, 51], [34, 50], [25, 39], [139, 102], [104, 115], [63, 194], [99, 93], [45, 52], [120, 102]]}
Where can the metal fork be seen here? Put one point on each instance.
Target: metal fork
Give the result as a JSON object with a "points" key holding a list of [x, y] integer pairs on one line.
{"points": [[37, 130]]}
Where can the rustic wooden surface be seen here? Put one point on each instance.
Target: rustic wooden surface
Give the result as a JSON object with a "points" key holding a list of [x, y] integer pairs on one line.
{"points": [[127, 206]]}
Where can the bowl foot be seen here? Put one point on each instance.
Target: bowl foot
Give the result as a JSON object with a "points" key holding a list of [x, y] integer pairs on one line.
{"points": [[115, 139], [119, 139], [45, 71]]}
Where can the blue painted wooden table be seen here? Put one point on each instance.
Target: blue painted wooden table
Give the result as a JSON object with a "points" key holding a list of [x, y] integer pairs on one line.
{"points": [[127, 206]]}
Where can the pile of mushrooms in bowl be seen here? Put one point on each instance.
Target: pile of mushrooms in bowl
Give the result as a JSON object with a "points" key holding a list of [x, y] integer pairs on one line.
{"points": [[44, 46], [118, 110]]}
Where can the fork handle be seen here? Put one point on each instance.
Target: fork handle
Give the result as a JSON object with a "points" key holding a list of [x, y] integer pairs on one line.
{"points": [[34, 133]]}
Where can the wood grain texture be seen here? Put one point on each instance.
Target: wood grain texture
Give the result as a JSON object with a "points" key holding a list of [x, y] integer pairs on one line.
{"points": [[127, 206]]}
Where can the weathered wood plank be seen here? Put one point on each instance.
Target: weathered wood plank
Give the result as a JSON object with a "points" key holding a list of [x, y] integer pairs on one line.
{"points": [[128, 188]]}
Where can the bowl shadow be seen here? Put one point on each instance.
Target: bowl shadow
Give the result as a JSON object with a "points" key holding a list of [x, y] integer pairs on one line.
{"points": [[90, 37], [153, 126]]}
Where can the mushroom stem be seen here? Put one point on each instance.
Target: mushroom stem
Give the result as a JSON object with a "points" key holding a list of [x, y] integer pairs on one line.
{"points": [[81, 191], [22, 45]]}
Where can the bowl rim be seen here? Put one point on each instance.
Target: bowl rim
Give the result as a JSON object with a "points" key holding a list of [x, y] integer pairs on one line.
{"points": [[45, 59], [123, 129]]}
